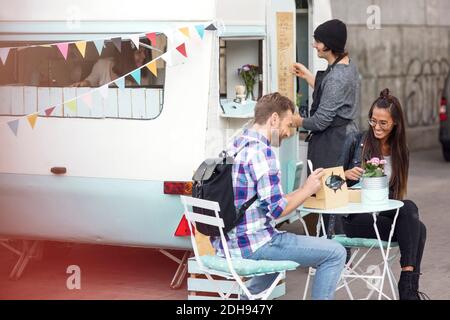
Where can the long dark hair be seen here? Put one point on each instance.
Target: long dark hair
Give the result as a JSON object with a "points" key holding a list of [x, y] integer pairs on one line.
{"points": [[396, 140]]}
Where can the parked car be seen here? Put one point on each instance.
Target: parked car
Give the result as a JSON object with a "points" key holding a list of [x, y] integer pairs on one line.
{"points": [[444, 129]]}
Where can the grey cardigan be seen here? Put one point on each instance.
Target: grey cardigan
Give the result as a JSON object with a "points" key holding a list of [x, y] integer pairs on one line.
{"points": [[340, 97]]}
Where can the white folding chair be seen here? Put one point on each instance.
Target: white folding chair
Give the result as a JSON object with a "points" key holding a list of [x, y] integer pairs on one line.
{"points": [[228, 267], [353, 270]]}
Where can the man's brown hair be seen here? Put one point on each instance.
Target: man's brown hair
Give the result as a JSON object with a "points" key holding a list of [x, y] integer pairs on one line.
{"points": [[270, 103]]}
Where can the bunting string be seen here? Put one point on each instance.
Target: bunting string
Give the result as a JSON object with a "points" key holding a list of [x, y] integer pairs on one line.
{"points": [[71, 104]]}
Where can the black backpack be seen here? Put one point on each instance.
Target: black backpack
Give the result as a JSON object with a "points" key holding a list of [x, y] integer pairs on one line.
{"points": [[213, 181]]}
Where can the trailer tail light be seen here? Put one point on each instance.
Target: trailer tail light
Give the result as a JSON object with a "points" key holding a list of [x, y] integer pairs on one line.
{"points": [[178, 187]]}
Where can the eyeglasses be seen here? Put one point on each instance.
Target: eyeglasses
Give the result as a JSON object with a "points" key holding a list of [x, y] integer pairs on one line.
{"points": [[383, 124]]}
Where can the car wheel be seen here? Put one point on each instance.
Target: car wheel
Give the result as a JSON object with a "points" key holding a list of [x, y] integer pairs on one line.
{"points": [[446, 153]]}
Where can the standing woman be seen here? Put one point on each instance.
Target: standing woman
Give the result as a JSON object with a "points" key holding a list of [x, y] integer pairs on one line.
{"points": [[335, 99], [386, 140]]}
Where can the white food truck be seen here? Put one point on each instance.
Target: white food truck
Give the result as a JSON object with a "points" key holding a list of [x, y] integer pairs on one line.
{"points": [[111, 172]]}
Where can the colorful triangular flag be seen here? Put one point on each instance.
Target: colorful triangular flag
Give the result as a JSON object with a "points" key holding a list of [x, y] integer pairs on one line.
{"points": [[4, 54], [104, 91], [32, 119], [81, 45], [117, 43], [120, 83], [135, 39], [182, 49], [200, 30], [183, 228], [211, 27], [99, 45], [14, 126], [185, 31], [49, 111], [136, 74], [72, 105], [152, 37], [152, 67], [87, 98], [63, 48]]}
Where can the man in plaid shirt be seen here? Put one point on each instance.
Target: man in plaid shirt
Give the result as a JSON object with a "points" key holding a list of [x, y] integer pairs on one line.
{"points": [[256, 170]]}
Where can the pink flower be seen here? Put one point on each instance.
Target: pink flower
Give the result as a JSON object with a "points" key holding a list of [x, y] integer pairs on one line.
{"points": [[375, 161], [383, 161]]}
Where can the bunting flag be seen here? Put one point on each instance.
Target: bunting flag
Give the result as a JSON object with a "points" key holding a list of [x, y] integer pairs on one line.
{"points": [[81, 45], [63, 48], [32, 119], [117, 43], [135, 40], [87, 98], [104, 91], [14, 126], [72, 105], [120, 83], [49, 111], [4, 54], [136, 74], [211, 27], [200, 30], [152, 37], [99, 44], [152, 67], [182, 49], [185, 31]]}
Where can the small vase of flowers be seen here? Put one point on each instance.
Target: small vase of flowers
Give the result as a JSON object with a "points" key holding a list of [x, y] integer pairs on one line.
{"points": [[374, 183], [249, 73]]}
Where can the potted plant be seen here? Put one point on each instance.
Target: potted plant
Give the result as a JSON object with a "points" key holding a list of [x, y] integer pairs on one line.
{"points": [[374, 183], [249, 73]]}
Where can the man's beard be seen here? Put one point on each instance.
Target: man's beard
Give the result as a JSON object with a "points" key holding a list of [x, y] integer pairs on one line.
{"points": [[275, 138]]}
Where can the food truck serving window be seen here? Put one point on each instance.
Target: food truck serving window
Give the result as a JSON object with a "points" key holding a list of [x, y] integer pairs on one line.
{"points": [[239, 91], [36, 76]]}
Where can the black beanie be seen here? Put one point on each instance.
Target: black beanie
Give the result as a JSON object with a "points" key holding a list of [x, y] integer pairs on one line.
{"points": [[333, 34]]}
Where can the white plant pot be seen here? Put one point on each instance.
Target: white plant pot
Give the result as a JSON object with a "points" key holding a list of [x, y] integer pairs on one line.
{"points": [[374, 190]]}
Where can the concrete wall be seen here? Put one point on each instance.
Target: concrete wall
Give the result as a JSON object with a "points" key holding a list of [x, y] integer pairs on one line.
{"points": [[409, 54]]}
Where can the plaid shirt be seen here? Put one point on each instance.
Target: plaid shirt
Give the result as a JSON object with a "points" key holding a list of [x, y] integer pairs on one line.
{"points": [[255, 170]]}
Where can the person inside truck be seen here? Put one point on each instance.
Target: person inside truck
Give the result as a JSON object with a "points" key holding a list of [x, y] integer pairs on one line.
{"points": [[114, 64]]}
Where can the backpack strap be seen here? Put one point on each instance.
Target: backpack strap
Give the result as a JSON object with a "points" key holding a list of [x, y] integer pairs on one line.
{"points": [[244, 207], [249, 202], [245, 146]]}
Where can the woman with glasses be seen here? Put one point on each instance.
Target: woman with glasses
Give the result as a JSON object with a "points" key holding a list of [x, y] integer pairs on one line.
{"points": [[386, 140]]}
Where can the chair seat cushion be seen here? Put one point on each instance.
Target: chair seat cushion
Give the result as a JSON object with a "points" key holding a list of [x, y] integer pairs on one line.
{"points": [[248, 267], [360, 242]]}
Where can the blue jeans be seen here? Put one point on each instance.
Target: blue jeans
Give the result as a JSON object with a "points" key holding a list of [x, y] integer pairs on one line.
{"points": [[327, 256]]}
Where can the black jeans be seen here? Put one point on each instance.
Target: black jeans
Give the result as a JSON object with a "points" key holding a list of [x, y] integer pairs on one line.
{"points": [[410, 232]]}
